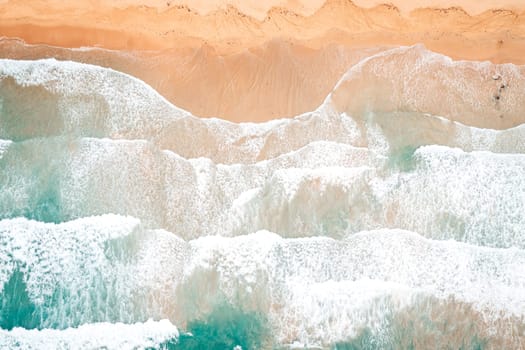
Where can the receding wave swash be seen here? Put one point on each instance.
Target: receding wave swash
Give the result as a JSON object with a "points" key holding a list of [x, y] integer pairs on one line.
{"points": [[376, 221], [50, 98]]}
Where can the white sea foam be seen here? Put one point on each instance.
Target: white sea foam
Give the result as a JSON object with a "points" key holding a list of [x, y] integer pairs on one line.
{"points": [[77, 99], [4, 145], [312, 290], [345, 170], [111, 336], [90, 270], [190, 198], [475, 274], [418, 80], [475, 197], [320, 290]]}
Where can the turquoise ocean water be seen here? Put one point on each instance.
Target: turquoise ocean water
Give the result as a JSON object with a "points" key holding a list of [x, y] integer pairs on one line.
{"points": [[374, 222]]}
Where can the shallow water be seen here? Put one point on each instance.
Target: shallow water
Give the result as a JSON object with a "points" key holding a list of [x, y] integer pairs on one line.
{"points": [[376, 221]]}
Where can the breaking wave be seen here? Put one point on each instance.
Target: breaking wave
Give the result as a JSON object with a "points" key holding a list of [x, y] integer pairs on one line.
{"points": [[386, 218]]}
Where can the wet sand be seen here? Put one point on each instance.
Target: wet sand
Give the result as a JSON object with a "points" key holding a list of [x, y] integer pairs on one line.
{"points": [[245, 61]]}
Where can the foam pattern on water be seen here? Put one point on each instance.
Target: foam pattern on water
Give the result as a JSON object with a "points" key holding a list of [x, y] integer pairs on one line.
{"points": [[313, 290], [304, 286], [394, 225], [409, 79], [89, 270], [439, 192], [147, 335], [4, 145], [443, 194], [49, 98], [320, 290], [164, 190], [479, 196]]}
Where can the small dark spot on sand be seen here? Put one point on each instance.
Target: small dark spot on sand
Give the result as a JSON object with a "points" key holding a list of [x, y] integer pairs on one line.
{"points": [[497, 98]]}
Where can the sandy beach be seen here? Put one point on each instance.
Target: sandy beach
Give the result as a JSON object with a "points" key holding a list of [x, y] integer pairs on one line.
{"points": [[278, 174], [493, 33], [246, 61]]}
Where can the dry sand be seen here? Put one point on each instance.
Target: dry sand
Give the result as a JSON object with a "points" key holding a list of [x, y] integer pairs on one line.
{"points": [[496, 34], [249, 60]]}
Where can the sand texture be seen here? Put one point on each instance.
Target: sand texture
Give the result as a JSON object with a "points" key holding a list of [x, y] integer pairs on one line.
{"points": [[254, 61]]}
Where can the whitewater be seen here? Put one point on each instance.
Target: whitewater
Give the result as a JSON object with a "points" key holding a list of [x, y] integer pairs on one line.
{"points": [[390, 217]]}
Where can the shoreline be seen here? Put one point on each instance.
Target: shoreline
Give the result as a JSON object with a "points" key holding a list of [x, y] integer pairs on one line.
{"points": [[238, 67], [281, 80], [495, 35]]}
